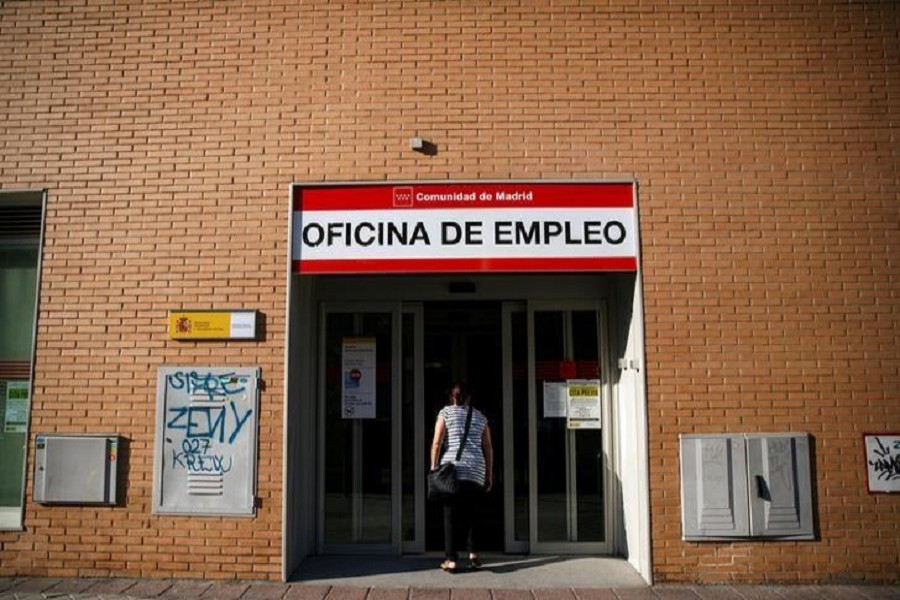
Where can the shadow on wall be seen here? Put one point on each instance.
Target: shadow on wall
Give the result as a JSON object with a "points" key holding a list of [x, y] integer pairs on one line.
{"points": [[123, 471]]}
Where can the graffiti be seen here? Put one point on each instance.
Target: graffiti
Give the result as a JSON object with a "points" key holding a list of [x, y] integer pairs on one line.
{"points": [[887, 464], [195, 457], [781, 465], [215, 386], [205, 427], [209, 422]]}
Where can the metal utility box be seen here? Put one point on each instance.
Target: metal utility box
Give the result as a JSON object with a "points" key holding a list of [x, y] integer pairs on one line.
{"points": [[75, 469], [207, 420], [746, 486]]}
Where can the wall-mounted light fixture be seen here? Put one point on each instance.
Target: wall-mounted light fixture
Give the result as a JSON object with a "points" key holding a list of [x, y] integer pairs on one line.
{"points": [[422, 145]]}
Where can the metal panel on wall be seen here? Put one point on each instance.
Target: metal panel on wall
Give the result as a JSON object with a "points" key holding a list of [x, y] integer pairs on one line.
{"points": [[75, 469], [714, 487], [206, 440], [780, 485]]}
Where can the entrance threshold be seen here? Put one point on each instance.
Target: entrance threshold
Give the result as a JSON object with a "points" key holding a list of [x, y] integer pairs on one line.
{"points": [[500, 571]]}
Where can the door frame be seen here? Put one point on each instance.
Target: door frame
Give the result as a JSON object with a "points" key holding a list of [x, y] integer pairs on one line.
{"points": [[608, 545], [511, 544], [417, 544]]}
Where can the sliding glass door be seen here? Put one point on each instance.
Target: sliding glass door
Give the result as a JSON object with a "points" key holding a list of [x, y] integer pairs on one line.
{"points": [[360, 430], [551, 430], [569, 430]]}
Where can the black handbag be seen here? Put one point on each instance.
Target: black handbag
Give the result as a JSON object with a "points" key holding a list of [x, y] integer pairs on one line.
{"points": [[442, 482]]}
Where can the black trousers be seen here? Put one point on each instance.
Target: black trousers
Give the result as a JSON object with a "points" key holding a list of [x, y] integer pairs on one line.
{"points": [[459, 519]]}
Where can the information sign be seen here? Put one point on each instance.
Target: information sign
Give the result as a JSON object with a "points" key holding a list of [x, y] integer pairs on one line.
{"points": [[445, 227], [358, 366], [212, 325], [15, 418], [583, 404], [555, 398]]}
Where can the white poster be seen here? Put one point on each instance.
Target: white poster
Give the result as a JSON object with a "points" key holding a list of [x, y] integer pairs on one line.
{"points": [[883, 462], [583, 403], [554, 399], [358, 378], [15, 419]]}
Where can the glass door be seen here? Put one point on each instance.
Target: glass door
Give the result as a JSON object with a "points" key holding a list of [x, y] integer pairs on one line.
{"points": [[359, 458], [570, 457]]}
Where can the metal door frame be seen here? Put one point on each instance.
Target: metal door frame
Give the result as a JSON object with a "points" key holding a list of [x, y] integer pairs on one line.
{"points": [[511, 545], [606, 546], [416, 309]]}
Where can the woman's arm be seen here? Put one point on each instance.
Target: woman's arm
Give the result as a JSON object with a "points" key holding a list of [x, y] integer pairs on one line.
{"points": [[488, 448], [440, 428]]}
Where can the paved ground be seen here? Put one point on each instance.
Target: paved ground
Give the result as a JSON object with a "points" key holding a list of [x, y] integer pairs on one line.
{"points": [[132, 589], [500, 572], [503, 577], [136, 589]]}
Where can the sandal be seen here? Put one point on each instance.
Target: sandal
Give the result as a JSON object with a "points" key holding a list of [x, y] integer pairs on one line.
{"points": [[474, 561], [448, 566]]}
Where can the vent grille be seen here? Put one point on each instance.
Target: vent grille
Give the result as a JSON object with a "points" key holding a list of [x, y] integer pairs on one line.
{"points": [[20, 222], [12, 369]]}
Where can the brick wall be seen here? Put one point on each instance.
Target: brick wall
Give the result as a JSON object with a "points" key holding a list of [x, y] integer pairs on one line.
{"points": [[764, 137]]}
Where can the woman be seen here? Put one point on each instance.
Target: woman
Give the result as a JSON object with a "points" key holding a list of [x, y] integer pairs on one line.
{"points": [[473, 471]]}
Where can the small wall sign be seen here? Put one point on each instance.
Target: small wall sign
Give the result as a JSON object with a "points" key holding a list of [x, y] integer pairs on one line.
{"points": [[212, 325], [883, 461], [444, 227]]}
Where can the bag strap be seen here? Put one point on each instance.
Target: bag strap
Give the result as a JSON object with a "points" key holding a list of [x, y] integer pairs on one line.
{"points": [[465, 434]]}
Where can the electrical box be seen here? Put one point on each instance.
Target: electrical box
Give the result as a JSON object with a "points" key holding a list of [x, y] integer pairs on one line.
{"points": [[746, 487], [207, 422], [75, 469]]}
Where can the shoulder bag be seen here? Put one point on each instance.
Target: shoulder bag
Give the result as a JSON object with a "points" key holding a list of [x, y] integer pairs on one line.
{"points": [[442, 482]]}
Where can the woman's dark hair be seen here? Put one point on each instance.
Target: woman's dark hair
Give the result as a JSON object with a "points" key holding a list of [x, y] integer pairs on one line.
{"points": [[465, 396]]}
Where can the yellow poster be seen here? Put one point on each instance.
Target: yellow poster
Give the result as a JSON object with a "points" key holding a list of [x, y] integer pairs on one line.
{"points": [[583, 410]]}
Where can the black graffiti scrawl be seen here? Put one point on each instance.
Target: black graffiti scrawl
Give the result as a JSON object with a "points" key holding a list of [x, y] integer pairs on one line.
{"points": [[883, 462]]}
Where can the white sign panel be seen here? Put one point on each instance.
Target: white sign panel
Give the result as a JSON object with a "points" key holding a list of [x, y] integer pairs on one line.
{"points": [[583, 403], [358, 395], [498, 233], [883, 462], [206, 432]]}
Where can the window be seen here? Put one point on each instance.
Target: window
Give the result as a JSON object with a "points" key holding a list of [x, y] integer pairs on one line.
{"points": [[20, 241]]}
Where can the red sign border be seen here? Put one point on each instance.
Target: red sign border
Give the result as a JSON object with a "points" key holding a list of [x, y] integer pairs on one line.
{"points": [[380, 196]]}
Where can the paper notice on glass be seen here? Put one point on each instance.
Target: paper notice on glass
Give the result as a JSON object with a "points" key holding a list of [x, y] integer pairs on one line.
{"points": [[15, 418], [358, 378], [583, 403], [554, 399]]}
